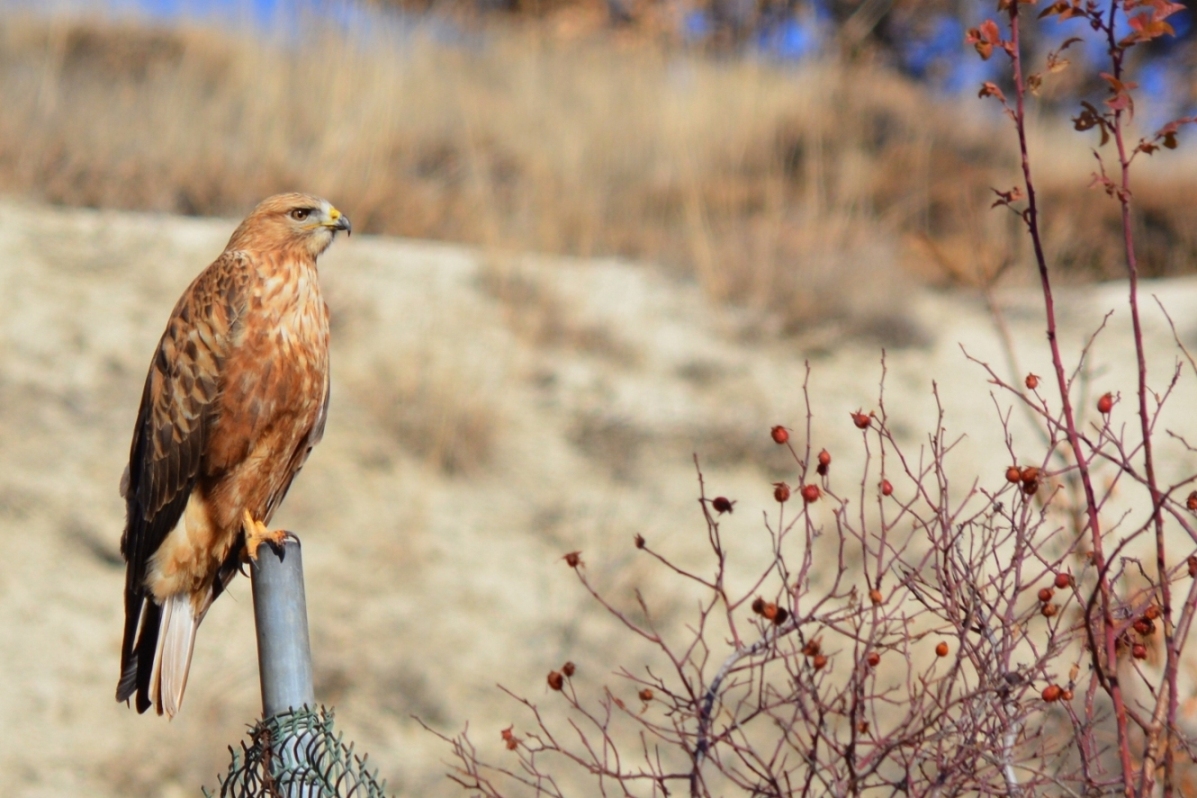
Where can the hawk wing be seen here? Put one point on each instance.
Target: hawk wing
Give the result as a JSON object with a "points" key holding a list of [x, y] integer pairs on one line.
{"points": [[174, 423]]}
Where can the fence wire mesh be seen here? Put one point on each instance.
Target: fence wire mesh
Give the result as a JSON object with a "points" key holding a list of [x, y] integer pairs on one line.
{"points": [[297, 754]]}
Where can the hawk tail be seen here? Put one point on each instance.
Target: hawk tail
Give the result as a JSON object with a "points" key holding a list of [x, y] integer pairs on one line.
{"points": [[172, 655], [142, 617]]}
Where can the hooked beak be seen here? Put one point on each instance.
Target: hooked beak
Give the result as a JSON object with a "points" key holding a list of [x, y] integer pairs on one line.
{"points": [[339, 221]]}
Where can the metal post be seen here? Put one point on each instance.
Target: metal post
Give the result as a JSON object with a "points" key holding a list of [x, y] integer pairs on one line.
{"points": [[281, 617]]}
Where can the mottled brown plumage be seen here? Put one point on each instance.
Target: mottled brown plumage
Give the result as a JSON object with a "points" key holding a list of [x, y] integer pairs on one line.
{"points": [[234, 401]]}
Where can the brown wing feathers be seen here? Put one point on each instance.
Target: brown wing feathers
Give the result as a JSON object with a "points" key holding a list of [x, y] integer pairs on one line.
{"points": [[177, 413], [150, 515]]}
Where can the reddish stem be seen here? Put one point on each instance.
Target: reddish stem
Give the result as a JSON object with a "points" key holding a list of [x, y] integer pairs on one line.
{"points": [[1032, 220], [1132, 274]]}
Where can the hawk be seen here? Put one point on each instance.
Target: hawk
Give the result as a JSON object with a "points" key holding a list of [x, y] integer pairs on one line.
{"points": [[235, 399]]}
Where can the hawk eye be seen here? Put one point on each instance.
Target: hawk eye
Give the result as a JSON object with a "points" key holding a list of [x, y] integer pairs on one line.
{"points": [[299, 214]]}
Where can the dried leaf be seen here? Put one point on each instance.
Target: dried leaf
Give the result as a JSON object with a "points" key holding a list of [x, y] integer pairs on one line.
{"points": [[1055, 8], [990, 89], [1146, 27], [984, 38], [1006, 197], [1056, 64], [1090, 118]]}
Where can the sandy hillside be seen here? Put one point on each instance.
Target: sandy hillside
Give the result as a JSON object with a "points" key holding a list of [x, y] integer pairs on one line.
{"points": [[489, 414]]}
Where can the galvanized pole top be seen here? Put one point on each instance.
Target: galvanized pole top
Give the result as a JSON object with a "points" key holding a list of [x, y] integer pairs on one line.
{"points": [[281, 618]]}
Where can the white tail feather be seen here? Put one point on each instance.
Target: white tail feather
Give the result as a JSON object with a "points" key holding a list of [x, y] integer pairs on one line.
{"points": [[140, 619], [156, 670], [172, 657]]}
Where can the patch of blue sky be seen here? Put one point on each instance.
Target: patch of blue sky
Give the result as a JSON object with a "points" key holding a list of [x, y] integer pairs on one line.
{"points": [[935, 52], [793, 39], [260, 13], [941, 58], [697, 25], [287, 20], [942, 45], [1162, 94]]}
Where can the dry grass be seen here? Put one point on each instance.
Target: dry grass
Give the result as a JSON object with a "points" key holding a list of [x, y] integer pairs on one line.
{"points": [[536, 312], [436, 408], [794, 192]]}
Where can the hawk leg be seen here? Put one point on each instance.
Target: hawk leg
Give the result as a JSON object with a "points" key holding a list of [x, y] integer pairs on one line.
{"points": [[256, 534]]}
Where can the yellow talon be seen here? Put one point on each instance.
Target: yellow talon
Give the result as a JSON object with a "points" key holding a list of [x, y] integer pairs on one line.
{"points": [[256, 534]]}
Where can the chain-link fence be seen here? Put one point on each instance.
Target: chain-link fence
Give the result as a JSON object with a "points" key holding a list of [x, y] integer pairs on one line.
{"points": [[297, 754]]}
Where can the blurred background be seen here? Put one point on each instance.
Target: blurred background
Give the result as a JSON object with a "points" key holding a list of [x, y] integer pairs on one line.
{"points": [[721, 138], [627, 226]]}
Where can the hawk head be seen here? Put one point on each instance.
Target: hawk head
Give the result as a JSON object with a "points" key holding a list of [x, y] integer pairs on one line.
{"points": [[291, 221]]}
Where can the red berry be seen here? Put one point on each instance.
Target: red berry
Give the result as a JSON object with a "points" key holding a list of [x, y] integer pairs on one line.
{"points": [[770, 611], [1105, 404], [1192, 562], [874, 658], [810, 493], [1049, 610], [1045, 595], [1013, 474], [780, 434], [1191, 502], [1032, 382], [646, 695], [568, 669], [1052, 693], [780, 617], [556, 680], [824, 463], [818, 662], [941, 650], [1066, 695], [861, 419], [573, 559], [1144, 626], [758, 606], [887, 489], [1151, 613], [812, 647], [1063, 580], [1139, 651], [875, 596], [781, 492], [723, 505], [1029, 474]]}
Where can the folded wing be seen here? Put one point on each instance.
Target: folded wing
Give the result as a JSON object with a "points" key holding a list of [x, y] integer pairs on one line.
{"points": [[177, 415]]}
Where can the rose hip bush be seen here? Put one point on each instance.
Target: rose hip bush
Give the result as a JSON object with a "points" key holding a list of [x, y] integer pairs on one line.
{"points": [[909, 634]]}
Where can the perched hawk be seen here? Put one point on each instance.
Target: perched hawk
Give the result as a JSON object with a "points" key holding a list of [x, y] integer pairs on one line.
{"points": [[234, 402]]}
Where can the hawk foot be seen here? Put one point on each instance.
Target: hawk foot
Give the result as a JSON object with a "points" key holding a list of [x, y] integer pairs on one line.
{"points": [[256, 534]]}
